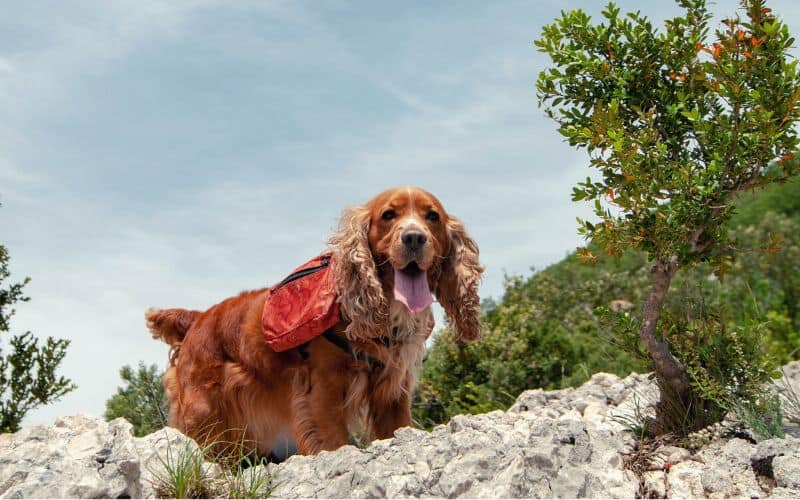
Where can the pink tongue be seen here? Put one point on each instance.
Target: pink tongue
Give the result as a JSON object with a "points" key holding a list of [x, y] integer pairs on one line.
{"points": [[413, 292]]}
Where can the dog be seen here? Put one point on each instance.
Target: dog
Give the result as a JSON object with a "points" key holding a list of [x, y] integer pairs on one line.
{"points": [[225, 384]]}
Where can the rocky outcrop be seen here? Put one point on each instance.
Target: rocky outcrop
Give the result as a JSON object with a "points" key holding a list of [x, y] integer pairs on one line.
{"points": [[558, 443], [85, 457], [566, 443]]}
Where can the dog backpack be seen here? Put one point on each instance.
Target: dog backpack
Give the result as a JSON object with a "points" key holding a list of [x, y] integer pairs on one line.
{"points": [[302, 306]]}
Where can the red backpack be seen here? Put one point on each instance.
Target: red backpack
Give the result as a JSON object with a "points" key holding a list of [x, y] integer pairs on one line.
{"points": [[302, 306]]}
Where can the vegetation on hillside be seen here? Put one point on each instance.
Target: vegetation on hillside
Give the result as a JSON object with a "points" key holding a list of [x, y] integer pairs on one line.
{"points": [[141, 400], [546, 330]]}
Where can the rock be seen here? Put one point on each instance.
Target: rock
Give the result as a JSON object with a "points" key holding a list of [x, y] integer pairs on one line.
{"points": [[788, 387], [492, 455], [786, 470], [85, 457], [618, 305], [727, 471], [685, 480], [654, 483]]}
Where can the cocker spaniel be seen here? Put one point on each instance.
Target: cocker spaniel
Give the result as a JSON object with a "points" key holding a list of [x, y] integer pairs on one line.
{"points": [[387, 259]]}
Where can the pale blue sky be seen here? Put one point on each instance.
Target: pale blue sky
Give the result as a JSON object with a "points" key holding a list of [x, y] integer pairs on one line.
{"points": [[173, 153]]}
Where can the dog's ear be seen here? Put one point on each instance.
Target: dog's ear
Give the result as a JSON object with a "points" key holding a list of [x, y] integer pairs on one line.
{"points": [[457, 289], [360, 291]]}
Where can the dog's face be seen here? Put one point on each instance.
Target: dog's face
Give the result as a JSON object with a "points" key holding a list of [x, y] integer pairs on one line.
{"points": [[408, 229], [402, 245], [408, 237]]}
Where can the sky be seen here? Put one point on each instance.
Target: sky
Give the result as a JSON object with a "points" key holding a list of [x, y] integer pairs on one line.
{"points": [[172, 153]]}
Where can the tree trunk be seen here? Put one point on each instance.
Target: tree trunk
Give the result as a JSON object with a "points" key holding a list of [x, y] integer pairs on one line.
{"points": [[673, 407]]}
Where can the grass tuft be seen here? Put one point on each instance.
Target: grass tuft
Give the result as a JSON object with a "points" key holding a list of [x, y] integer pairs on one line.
{"points": [[219, 469]]}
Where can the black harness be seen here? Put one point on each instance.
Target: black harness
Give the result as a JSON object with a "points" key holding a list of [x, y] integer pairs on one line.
{"points": [[345, 346]]}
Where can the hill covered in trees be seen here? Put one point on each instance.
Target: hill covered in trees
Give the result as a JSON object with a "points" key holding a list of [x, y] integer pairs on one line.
{"points": [[558, 326]]}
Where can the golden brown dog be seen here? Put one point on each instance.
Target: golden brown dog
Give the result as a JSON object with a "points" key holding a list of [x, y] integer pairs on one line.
{"points": [[389, 257]]}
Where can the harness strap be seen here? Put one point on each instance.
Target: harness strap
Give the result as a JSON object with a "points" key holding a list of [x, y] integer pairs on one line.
{"points": [[339, 342], [345, 346]]}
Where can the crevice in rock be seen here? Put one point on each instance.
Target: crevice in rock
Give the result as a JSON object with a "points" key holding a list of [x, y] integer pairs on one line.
{"points": [[765, 475], [567, 439], [763, 466]]}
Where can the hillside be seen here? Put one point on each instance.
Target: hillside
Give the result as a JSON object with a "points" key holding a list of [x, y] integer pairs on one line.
{"points": [[545, 331]]}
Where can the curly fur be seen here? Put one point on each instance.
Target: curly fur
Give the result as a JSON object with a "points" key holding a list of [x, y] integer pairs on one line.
{"points": [[457, 289], [360, 290]]}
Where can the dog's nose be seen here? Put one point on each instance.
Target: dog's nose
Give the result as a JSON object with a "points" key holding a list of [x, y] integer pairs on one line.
{"points": [[413, 240]]}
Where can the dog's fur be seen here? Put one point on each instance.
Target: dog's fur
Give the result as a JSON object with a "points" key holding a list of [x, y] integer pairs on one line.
{"points": [[225, 384]]}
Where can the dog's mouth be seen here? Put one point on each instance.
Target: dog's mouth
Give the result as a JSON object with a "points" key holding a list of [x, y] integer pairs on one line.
{"points": [[411, 288]]}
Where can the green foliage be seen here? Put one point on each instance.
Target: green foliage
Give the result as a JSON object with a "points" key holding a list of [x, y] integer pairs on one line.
{"points": [[782, 199], [675, 124], [726, 363], [28, 370], [543, 333], [772, 248], [142, 400], [636, 422]]}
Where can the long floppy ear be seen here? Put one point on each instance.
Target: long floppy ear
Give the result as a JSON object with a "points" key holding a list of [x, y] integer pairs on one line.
{"points": [[360, 291], [457, 289]]}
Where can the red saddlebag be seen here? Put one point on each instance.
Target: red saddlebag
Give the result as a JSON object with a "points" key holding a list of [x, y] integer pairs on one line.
{"points": [[302, 306]]}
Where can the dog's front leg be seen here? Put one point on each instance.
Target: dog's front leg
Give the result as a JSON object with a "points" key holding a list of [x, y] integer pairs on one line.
{"points": [[318, 416], [389, 416], [390, 406]]}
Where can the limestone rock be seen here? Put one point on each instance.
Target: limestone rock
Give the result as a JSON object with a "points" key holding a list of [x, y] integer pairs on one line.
{"points": [[654, 483], [497, 454], [85, 457], [685, 480]]}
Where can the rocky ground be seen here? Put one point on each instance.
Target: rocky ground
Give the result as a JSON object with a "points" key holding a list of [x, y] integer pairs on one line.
{"points": [[566, 443]]}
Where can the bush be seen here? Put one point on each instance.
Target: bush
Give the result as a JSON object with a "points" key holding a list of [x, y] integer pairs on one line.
{"points": [[28, 376], [141, 401]]}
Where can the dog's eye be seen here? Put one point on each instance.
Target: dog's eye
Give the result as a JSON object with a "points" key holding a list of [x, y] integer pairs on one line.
{"points": [[432, 216], [389, 215]]}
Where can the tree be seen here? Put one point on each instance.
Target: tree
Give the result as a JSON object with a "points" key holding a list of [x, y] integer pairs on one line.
{"points": [[141, 401], [676, 125], [28, 372]]}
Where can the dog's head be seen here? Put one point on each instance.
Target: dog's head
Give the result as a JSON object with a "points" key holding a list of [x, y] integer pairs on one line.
{"points": [[403, 245]]}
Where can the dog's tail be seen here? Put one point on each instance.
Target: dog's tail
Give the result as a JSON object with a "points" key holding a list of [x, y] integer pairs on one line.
{"points": [[170, 325]]}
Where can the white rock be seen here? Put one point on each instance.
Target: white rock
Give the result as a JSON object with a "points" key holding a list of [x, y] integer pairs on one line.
{"points": [[85, 457], [654, 483], [685, 480], [786, 469]]}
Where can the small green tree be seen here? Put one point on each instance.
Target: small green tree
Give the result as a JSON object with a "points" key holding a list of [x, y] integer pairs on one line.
{"points": [[141, 401], [676, 125], [28, 372]]}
